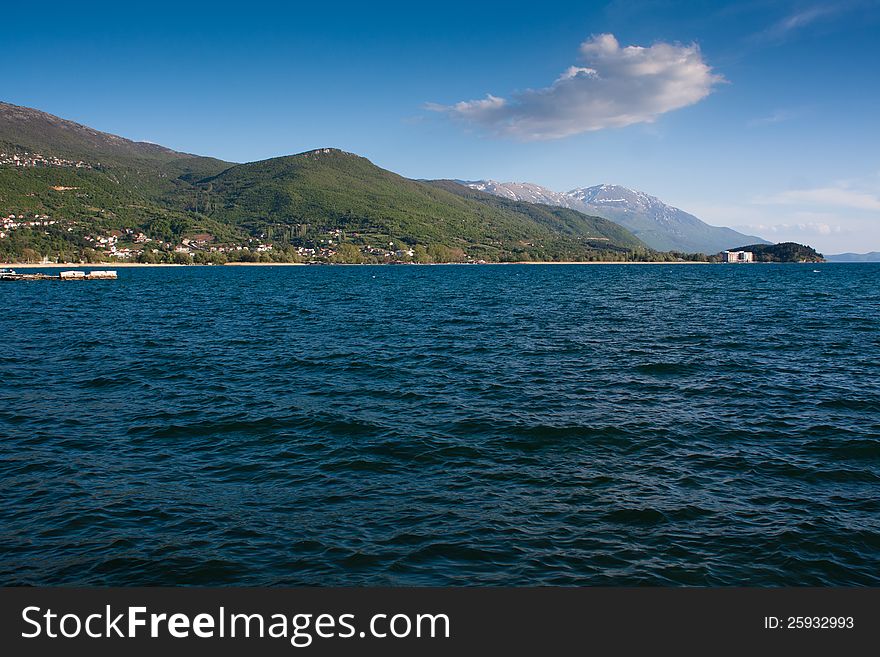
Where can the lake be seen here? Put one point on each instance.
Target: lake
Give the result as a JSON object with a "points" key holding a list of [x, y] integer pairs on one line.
{"points": [[443, 425]]}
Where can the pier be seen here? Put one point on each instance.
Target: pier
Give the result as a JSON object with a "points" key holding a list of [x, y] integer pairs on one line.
{"points": [[72, 275]]}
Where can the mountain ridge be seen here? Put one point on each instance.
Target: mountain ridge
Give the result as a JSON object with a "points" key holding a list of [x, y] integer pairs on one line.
{"points": [[339, 190], [871, 256], [40, 130], [659, 225], [67, 190]]}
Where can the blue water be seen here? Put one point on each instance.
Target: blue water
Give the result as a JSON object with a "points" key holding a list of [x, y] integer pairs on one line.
{"points": [[464, 425]]}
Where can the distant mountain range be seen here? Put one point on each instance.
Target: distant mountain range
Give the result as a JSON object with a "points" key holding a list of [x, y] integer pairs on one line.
{"points": [[331, 189], [657, 224], [70, 192], [71, 188], [873, 256]]}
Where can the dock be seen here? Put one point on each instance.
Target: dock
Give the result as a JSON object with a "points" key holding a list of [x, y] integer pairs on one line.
{"points": [[71, 275]]}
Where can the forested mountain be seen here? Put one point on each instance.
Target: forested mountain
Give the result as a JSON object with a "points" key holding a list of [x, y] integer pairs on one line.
{"points": [[68, 191]]}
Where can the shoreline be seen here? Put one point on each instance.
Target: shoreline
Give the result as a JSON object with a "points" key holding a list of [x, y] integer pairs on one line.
{"points": [[606, 262], [123, 265], [81, 265]]}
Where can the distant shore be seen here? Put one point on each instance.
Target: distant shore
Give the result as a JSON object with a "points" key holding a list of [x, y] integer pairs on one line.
{"points": [[53, 265], [26, 265], [123, 265], [607, 262]]}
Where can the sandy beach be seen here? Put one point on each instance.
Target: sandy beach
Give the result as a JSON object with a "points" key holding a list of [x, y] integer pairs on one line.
{"points": [[74, 265], [608, 262], [124, 265]]}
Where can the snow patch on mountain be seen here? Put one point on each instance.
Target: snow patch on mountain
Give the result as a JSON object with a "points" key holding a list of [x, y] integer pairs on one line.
{"points": [[659, 225]]}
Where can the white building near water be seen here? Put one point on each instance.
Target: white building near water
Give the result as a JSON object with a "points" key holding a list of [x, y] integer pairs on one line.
{"points": [[737, 256]]}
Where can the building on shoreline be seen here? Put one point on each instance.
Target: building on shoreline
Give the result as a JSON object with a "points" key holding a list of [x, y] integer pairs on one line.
{"points": [[737, 256]]}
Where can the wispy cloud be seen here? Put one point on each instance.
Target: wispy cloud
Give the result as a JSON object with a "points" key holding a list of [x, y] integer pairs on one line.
{"points": [[803, 228], [838, 196], [615, 87], [779, 116], [841, 215], [804, 16], [829, 232], [800, 19]]}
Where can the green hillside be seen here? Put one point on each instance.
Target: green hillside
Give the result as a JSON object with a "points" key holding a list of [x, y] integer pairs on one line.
{"points": [[330, 189], [563, 221], [783, 252], [70, 192], [91, 183], [26, 129]]}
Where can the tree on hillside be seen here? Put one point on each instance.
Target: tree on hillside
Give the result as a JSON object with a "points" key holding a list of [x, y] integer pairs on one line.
{"points": [[420, 254], [348, 253]]}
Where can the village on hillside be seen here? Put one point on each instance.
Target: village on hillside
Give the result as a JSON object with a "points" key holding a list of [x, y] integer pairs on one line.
{"points": [[37, 160], [132, 245], [79, 240]]}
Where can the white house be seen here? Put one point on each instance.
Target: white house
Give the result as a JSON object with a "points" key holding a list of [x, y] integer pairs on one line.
{"points": [[737, 256]]}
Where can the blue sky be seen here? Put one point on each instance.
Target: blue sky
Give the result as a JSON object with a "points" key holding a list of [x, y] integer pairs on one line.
{"points": [[762, 116]]}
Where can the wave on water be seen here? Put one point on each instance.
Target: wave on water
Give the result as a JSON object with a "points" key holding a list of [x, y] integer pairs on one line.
{"points": [[444, 426]]}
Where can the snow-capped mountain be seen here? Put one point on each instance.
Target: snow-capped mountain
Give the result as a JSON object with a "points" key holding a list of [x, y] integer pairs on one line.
{"points": [[657, 224], [520, 192]]}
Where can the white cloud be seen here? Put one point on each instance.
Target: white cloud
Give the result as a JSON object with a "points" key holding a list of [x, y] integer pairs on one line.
{"points": [[618, 86], [574, 71]]}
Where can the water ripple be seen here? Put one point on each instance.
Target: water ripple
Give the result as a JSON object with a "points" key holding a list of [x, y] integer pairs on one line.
{"points": [[443, 425]]}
